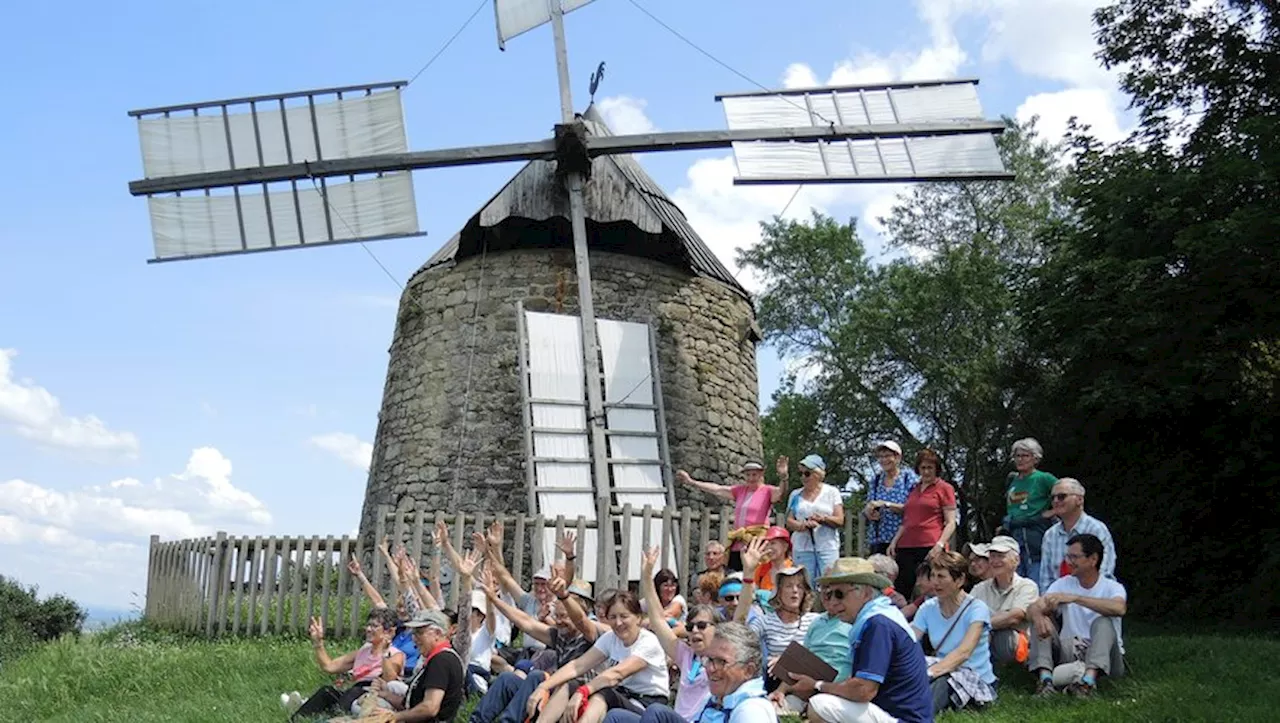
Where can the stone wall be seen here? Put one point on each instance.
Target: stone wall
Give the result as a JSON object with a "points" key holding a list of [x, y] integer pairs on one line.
{"points": [[423, 460]]}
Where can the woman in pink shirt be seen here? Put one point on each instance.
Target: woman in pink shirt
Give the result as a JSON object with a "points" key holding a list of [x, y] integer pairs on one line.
{"points": [[753, 502]]}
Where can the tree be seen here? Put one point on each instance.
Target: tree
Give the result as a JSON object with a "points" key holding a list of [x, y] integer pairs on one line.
{"points": [[1157, 317], [926, 349]]}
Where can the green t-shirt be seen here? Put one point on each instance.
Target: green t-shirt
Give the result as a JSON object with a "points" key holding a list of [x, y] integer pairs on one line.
{"points": [[1029, 496]]}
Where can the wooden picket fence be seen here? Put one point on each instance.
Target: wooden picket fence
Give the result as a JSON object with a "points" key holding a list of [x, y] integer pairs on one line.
{"points": [[255, 585]]}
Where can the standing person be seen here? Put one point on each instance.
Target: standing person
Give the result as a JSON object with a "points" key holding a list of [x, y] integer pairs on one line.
{"points": [[733, 675], [1091, 607], [959, 629], [887, 495], [815, 514], [889, 680], [1008, 595], [1068, 507], [928, 520], [1027, 511], [752, 499]]}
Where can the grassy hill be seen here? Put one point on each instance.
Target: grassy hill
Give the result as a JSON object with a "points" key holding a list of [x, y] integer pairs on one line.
{"points": [[133, 675]]}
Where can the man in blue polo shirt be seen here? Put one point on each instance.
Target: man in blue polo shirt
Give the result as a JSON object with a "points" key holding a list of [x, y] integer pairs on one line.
{"points": [[890, 680]]}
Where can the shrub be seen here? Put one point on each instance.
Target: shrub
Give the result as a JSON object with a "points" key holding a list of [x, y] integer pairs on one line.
{"points": [[26, 620]]}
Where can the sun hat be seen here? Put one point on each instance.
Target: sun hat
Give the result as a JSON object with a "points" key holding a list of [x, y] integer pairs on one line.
{"points": [[813, 461], [1002, 543], [582, 589], [979, 549], [429, 618], [752, 466], [890, 445], [780, 572], [854, 571], [479, 601]]}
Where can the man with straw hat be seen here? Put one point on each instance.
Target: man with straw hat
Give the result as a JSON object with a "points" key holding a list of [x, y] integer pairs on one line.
{"points": [[890, 680]]}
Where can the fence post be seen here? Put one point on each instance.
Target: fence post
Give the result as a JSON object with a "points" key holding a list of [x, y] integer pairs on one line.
{"points": [[149, 605], [624, 558], [379, 532], [268, 587], [216, 574], [684, 556], [862, 536]]}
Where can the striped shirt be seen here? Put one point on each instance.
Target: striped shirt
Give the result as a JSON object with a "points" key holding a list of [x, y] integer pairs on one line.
{"points": [[1053, 550], [776, 635]]}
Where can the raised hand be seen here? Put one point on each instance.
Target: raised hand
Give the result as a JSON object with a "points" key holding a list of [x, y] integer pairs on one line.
{"points": [[683, 477], [648, 562], [467, 564], [558, 586], [783, 466], [494, 536], [753, 556], [559, 572], [568, 544], [385, 546], [442, 534], [316, 630], [488, 583], [353, 567]]}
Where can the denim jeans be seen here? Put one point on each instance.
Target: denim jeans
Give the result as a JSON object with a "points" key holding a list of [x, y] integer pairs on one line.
{"points": [[653, 714], [507, 698], [815, 561]]}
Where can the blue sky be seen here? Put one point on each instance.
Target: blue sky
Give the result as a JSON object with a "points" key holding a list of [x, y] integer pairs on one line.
{"points": [[239, 393]]}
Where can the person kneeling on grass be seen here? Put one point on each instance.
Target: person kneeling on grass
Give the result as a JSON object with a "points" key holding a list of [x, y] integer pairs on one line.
{"points": [[890, 680], [376, 659], [1088, 643], [636, 673]]}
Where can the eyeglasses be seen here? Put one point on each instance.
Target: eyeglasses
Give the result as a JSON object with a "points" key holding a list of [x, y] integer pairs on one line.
{"points": [[717, 663], [830, 594], [701, 625], [1073, 557], [730, 598], [1059, 497]]}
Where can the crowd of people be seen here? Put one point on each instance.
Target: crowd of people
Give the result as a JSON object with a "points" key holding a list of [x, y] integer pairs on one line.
{"points": [[777, 623]]}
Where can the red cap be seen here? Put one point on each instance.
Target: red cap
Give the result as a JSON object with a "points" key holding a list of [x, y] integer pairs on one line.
{"points": [[777, 533]]}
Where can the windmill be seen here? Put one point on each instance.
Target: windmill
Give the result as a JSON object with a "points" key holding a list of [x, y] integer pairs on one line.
{"points": [[327, 166]]}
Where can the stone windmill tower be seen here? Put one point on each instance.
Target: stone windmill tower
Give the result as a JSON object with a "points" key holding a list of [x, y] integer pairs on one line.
{"points": [[452, 428]]}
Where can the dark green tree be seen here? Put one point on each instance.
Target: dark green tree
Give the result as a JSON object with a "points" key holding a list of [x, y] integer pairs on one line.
{"points": [[1157, 319]]}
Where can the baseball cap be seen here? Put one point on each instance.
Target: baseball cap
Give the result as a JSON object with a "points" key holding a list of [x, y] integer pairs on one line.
{"points": [[543, 573], [1002, 543], [890, 445], [979, 549], [428, 618], [813, 461]]}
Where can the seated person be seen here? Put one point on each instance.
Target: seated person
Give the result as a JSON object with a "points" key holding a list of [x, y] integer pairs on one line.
{"points": [[482, 624], [827, 638], [636, 673], [889, 680], [707, 591], [888, 567], [1008, 595], [673, 603], [979, 565], [536, 601], [1088, 643], [777, 548], [377, 658], [729, 594], [1068, 506], [923, 591], [692, 692], [790, 612], [509, 694], [958, 626], [438, 689], [733, 662], [403, 639]]}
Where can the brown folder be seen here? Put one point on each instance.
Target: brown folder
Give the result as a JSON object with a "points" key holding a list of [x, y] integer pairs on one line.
{"points": [[801, 661]]}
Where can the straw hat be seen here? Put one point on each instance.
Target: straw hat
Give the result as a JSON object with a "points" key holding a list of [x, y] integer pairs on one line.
{"points": [[854, 571]]}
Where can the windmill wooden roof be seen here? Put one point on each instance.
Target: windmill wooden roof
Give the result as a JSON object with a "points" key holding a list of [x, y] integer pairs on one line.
{"points": [[627, 212]]}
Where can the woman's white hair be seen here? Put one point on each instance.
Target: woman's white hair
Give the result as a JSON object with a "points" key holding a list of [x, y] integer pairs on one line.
{"points": [[884, 565], [1028, 444]]}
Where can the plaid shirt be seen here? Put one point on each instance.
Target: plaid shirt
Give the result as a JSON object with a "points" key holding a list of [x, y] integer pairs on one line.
{"points": [[1054, 548]]}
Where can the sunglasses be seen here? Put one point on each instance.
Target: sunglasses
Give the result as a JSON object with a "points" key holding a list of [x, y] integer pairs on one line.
{"points": [[730, 598], [833, 594], [701, 625], [1061, 496]]}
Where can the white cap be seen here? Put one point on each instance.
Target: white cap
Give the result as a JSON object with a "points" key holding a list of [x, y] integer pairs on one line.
{"points": [[543, 573], [890, 445], [479, 600]]}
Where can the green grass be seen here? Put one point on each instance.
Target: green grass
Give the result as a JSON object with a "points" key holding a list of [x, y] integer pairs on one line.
{"points": [[134, 675]]}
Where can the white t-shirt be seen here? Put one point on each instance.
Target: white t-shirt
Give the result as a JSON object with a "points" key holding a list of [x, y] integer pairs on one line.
{"points": [[482, 647], [652, 678], [1076, 619], [826, 537], [684, 606]]}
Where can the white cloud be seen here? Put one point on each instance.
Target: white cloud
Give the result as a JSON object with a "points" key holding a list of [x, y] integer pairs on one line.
{"points": [[33, 412], [625, 115], [92, 542], [346, 447], [1090, 106]]}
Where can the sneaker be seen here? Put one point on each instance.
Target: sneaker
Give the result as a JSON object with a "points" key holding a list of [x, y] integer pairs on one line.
{"points": [[1080, 690], [291, 701], [1045, 689]]}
